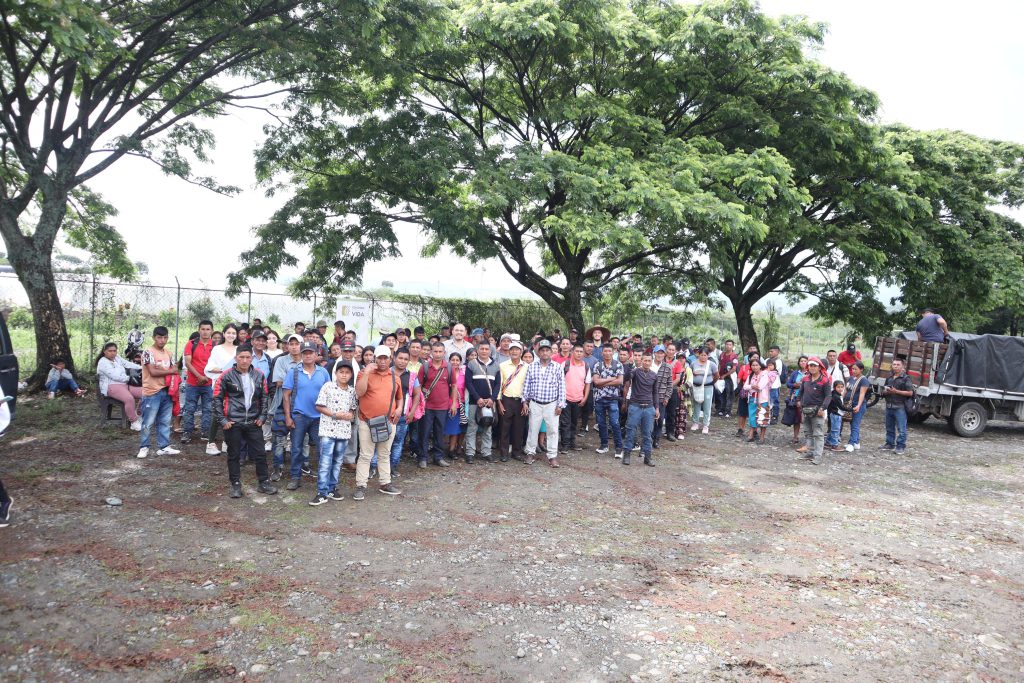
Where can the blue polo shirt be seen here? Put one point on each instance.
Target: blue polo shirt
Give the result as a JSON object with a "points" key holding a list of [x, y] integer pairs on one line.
{"points": [[262, 364], [304, 397]]}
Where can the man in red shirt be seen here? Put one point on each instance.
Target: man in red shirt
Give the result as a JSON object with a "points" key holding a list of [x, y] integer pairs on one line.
{"points": [[198, 389], [439, 398], [577, 390], [564, 351], [850, 356]]}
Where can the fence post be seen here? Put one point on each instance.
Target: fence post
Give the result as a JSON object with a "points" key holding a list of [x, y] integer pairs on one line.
{"points": [[92, 319], [313, 321], [373, 307], [177, 314], [248, 310]]}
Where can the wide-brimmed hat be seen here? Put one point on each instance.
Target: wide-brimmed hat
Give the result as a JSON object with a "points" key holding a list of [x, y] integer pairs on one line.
{"points": [[605, 332]]}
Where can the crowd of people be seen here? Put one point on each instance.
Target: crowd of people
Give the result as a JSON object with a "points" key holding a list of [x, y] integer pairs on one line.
{"points": [[247, 390]]}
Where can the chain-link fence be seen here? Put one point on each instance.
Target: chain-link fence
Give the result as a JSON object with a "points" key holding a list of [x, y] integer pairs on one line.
{"points": [[98, 311]]}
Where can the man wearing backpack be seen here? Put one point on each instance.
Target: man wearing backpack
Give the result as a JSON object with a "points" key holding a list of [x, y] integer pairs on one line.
{"points": [[301, 389], [608, 378], [438, 386], [483, 382]]}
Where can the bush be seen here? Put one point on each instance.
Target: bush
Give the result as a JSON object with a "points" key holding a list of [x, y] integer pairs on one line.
{"points": [[20, 318]]}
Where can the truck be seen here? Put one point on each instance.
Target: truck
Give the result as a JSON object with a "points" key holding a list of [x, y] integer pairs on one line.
{"points": [[968, 379]]}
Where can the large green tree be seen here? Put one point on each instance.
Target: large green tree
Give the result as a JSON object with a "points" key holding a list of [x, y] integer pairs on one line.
{"points": [[576, 141], [84, 83], [965, 253]]}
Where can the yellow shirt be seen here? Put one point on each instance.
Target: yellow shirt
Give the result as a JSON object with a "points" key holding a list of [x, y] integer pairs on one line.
{"points": [[511, 381]]}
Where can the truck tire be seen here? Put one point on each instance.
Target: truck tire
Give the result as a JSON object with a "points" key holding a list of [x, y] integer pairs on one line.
{"points": [[969, 419]]}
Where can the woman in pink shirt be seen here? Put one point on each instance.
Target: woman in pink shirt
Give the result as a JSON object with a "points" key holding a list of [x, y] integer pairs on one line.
{"points": [[759, 396]]}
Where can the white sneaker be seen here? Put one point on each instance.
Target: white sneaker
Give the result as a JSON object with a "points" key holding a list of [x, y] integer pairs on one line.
{"points": [[137, 425], [211, 449], [618, 455], [602, 451], [143, 452], [167, 450], [50, 394], [705, 430], [849, 448], [224, 446], [267, 447], [856, 446], [695, 427]]}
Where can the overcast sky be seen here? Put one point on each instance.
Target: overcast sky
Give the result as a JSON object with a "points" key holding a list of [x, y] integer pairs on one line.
{"points": [[935, 64]]}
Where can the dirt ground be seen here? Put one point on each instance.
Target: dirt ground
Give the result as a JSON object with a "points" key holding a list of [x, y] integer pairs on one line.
{"points": [[727, 561]]}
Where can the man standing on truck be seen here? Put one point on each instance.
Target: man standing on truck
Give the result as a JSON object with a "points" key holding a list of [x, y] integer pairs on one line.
{"points": [[932, 327], [898, 388]]}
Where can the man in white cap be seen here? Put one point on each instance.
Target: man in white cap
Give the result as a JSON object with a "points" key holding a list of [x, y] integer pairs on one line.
{"points": [[380, 395], [510, 402]]}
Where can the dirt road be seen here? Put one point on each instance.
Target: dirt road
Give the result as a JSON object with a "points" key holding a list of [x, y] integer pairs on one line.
{"points": [[727, 561]]}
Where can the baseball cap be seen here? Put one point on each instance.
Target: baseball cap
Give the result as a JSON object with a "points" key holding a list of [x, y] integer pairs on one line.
{"points": [[307, 346], [517, 344], [659, 347], [851, 348], [402, 330], [544, 344], [321, 323], [257, 334], [348, 345], [295, 337], [477, 330], [382, 351], [814, 360]]}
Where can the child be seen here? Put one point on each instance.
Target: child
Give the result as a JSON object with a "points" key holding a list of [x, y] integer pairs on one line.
{"points": [[60, 379], [835, 416], [453, 427], [337, 404]]}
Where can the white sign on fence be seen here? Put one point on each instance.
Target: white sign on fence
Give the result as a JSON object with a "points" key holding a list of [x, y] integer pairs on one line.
{"points": [[358, 316]]}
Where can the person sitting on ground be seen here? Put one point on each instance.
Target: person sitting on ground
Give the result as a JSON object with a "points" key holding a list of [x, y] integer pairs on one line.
{"points": [[60, 379], [113, 376]]}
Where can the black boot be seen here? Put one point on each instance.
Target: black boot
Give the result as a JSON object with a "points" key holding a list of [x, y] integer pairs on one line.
{"points": [[236, 490], [648, 461], [625, 458]]}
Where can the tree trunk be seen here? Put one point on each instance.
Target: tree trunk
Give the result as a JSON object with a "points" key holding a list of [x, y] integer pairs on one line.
{"points": [[35, 271], [745, 324]]}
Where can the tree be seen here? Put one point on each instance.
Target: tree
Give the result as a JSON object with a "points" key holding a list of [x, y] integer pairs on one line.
{"points": [[574, 141], [965, 256], [85, 83]]}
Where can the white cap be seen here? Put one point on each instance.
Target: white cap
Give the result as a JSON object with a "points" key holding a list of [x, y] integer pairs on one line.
{"points": [[382, 351]]}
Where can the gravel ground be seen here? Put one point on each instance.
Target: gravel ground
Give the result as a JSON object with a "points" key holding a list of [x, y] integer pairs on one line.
{"points": [[727, 561]]}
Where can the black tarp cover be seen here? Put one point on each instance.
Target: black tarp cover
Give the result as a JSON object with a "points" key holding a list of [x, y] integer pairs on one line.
{"points": [[989, 361]]}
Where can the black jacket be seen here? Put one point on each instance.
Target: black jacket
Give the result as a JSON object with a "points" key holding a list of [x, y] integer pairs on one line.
{"points": [[230, 397]]}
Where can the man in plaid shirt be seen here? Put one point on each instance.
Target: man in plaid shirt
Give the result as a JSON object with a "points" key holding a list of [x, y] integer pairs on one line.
{"points": [[544, 394]]}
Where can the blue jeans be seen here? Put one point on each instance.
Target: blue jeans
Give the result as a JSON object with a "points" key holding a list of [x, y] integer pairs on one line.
{"points": [[835, 427], [396, 446], [332, 451], [855, 425], [896, 421], [200, 397], [156, 409], [775, 403], [641, 418], [62, 385], [608, 413], [303, 425], [702, 409]]}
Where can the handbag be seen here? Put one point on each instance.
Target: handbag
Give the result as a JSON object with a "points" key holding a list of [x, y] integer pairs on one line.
{"points": [[380, 426], [484, 416], [699, 389], [789, 415]]}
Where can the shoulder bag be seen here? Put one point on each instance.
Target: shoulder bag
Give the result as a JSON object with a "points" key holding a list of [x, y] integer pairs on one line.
{"points": [[699, 389], [380, 426]]}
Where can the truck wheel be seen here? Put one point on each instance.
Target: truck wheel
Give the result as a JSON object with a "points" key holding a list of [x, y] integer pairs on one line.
{"points": [[969, 419]]}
